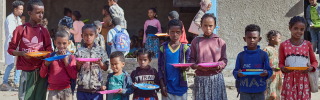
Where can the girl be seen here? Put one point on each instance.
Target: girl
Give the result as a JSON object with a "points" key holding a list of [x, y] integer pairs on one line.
{"points": [[296, 52], [208, 83], [144, 74], [152, 26], [77, 28], [274, 83], [205, 6]]}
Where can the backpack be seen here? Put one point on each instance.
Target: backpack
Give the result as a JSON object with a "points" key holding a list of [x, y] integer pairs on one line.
{"points": [[241, 58], [121, 41], [72, 81]]}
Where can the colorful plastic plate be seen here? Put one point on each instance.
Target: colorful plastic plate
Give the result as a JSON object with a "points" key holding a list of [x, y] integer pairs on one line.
{"points": [[297, 68], [182, 64], [152, 35], [213, 64], [251, 73], [71, 51], [55, 58], [144, 86], [109, 91], [38, 53], [102, 22], [88, 59], [161, 34]]}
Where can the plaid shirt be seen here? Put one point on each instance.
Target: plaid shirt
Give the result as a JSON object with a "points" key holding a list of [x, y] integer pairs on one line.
{"points": [[117, 11]]}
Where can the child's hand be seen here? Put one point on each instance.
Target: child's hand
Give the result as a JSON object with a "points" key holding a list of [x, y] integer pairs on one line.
{"points": [[264, 74], [312, 25], [164, 92], [109, 43], [308, 70], [98, 62], [47, 63], [286, 70], [24, 53], [120, 91], [79, 63], [103, 88], [239, 74], [214, 68], [195, 66], [275, 69], [184, 68], [134, 84]]}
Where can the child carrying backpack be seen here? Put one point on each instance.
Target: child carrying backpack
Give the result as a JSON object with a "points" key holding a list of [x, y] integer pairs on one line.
{"points": [[118, 38]]}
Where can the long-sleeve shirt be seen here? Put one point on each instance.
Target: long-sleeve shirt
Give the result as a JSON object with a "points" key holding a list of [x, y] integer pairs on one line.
{"points": [[59, 74], [111, 38], [183, 37], [211, 49], [148, 75], [117, 11], [77, 31], [31, 39], [10, 25], [308, 14], [154, 22]]}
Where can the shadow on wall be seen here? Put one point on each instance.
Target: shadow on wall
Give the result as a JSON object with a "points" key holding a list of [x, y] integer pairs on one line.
{"points": [[297, 9]]}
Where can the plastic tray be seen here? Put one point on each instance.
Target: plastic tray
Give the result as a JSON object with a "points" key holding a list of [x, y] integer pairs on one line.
{"points": [[182, 64], [297, 68], [152, 35], [213, 64], [142, 86], [108, 91], [55, 58], [38, 53], [251, 73], [88, 59], [161, 34]]}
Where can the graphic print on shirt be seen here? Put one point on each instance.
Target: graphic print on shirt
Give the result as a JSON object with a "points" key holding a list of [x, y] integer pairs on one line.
{"points": [[32, 45], [253, 82], [145, 79]]}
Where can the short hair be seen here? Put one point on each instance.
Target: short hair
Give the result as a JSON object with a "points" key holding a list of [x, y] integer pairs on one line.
{"points": [[16, 4], [66, 11], [174, 15], [115, 1], [272, 33], [145, 51], [174, 22], [209, 15], [296, 19], [89, 26], [252, 27], [97, 23], [32, 3], [22, 15], [116, 21], [62, 33], [77, 15], [106, 7], [117, 54]]}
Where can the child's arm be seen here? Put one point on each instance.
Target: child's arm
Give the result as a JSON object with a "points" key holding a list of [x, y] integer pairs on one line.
{"points": [[223, 59], [145, 34], [159, 27], [160, 64], [308, 16], [237, 69], [110, 37], [44, 68], [74, 30], [267, 69], [16, 37], [163, 88], [103, 62], [313, 59], [126, 91], [282, 60], [71, 68], [132, 75]]}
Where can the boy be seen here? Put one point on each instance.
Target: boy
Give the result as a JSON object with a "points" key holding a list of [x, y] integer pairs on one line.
{"points": [[173, 83], [252, 58], [67, 16], [59, 72], [183, 37], [90, 79], [117, 11], [111, 35], [312, 16], [99, 41], [31, 37], [119, 79], [23, 18]]}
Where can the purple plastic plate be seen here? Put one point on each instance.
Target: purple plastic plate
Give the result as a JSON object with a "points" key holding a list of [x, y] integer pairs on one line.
{"points": [[109, 91], [88, 59], [182, 64], [213, 64]]}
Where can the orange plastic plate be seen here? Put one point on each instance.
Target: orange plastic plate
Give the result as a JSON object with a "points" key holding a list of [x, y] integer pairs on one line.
{"points": [[71, 51], [161, 34], [38, 53], [297, 68]]}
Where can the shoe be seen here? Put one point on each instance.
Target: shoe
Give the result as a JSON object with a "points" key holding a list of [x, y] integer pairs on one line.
{"points": [[6, 87], [16, 86]]}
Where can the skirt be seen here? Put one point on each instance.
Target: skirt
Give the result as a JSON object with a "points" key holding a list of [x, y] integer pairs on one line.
{"points": [[274, 86], [209, 88], [152, 43]]}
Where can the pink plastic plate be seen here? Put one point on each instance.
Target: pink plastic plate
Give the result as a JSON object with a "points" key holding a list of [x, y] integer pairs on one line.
{"points": [[109, 91], [88, 59], [213, 64], [182, 64]]}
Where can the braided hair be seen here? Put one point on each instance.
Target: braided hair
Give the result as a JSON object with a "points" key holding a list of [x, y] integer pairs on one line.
{"points": [[32, 3], [296, 19], [144, 51], [272, 33]]}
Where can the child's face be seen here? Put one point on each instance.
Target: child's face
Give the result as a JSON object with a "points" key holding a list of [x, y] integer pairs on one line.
{"points": [[151, 14], [297, 30], [104, 12], [252, 38], [277, 39], [73, 17], [208, 25], [99, 29], [61, 43], [175, 33], [37, 13], [143, 61], [313, 2], [116, 64], [89, 35], [110, 2], [23, 19]]}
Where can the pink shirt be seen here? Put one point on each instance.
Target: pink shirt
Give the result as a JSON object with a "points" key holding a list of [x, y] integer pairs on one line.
{"points": [[154, 22], [77, 30]]}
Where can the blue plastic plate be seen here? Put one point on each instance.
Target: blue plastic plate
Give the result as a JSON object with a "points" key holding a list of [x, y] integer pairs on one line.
{"points": [[144, 86], [55, 58], [251, 73], [151, 35]]}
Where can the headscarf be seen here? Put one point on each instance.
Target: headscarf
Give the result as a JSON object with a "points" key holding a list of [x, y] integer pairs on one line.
{"points": [[204, 4]]}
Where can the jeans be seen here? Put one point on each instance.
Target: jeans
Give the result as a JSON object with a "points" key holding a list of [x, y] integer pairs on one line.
{"points": [[108, 48], [7, 74], [251, 96], [315, 38]]}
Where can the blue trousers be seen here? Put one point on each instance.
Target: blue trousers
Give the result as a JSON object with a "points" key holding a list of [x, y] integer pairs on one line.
{"points": [[89, 96], [7, 74]]}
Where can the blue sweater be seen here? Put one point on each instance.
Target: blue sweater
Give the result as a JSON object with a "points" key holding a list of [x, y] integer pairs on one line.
{"points": [[252, 60]]}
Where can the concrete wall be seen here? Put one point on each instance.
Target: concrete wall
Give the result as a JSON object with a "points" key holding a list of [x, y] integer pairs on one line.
{"points": [[2, 35]]}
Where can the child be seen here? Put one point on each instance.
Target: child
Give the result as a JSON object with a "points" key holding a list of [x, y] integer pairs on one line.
{"points": [[90, 79], [274, 83], [312, 16], [296, 52], [24, 36], [71, 46], [100, 39], [208, 82], [67, 16], [106, 26], [23, 18], [144, 74], [175, 15], [173, 82], [252, 86], [44, 22], [140, 37], [59, 72], [116, 11], [76, 31], [152, 26], [205, 5], [119, 79], [111, 35]]}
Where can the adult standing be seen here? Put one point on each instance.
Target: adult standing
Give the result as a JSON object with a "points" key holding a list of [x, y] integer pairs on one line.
{"points": [[195, 27], [117, 11], [13, 20]]}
